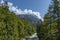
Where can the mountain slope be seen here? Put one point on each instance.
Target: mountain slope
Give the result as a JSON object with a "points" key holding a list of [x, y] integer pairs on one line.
{"points": [[31, 18]]}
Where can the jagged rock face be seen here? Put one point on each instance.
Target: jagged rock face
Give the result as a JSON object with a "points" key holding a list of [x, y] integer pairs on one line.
{"points": [[31, 18]]}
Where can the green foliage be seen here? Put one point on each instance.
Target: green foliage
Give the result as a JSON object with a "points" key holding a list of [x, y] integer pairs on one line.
{"points": [[50, 27], [12, 27]]}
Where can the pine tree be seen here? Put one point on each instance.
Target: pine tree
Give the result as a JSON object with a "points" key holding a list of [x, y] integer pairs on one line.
{"points": [[53, 13], [40, 30], [51, 23]]}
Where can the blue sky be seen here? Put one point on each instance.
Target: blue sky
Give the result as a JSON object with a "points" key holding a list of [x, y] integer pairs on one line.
{"points": [[35, 5]]}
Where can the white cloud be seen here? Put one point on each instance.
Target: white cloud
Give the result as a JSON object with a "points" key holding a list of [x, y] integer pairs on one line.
{"points": [[25, 11]]}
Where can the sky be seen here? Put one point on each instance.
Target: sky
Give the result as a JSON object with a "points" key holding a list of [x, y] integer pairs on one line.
{"points": [[34, 5]]}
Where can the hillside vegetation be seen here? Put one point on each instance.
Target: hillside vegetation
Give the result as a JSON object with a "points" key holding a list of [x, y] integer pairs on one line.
{"points": [[12, 27]]}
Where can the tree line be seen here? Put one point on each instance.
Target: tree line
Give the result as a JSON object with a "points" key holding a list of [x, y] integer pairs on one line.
{"points": [[49, 29]]}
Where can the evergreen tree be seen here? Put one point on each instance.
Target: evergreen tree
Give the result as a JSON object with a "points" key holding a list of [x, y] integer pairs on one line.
{"points": [[51, 23]]}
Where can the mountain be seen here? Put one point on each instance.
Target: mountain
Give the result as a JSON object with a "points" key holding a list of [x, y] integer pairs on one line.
{"points": [[31, 18]]}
